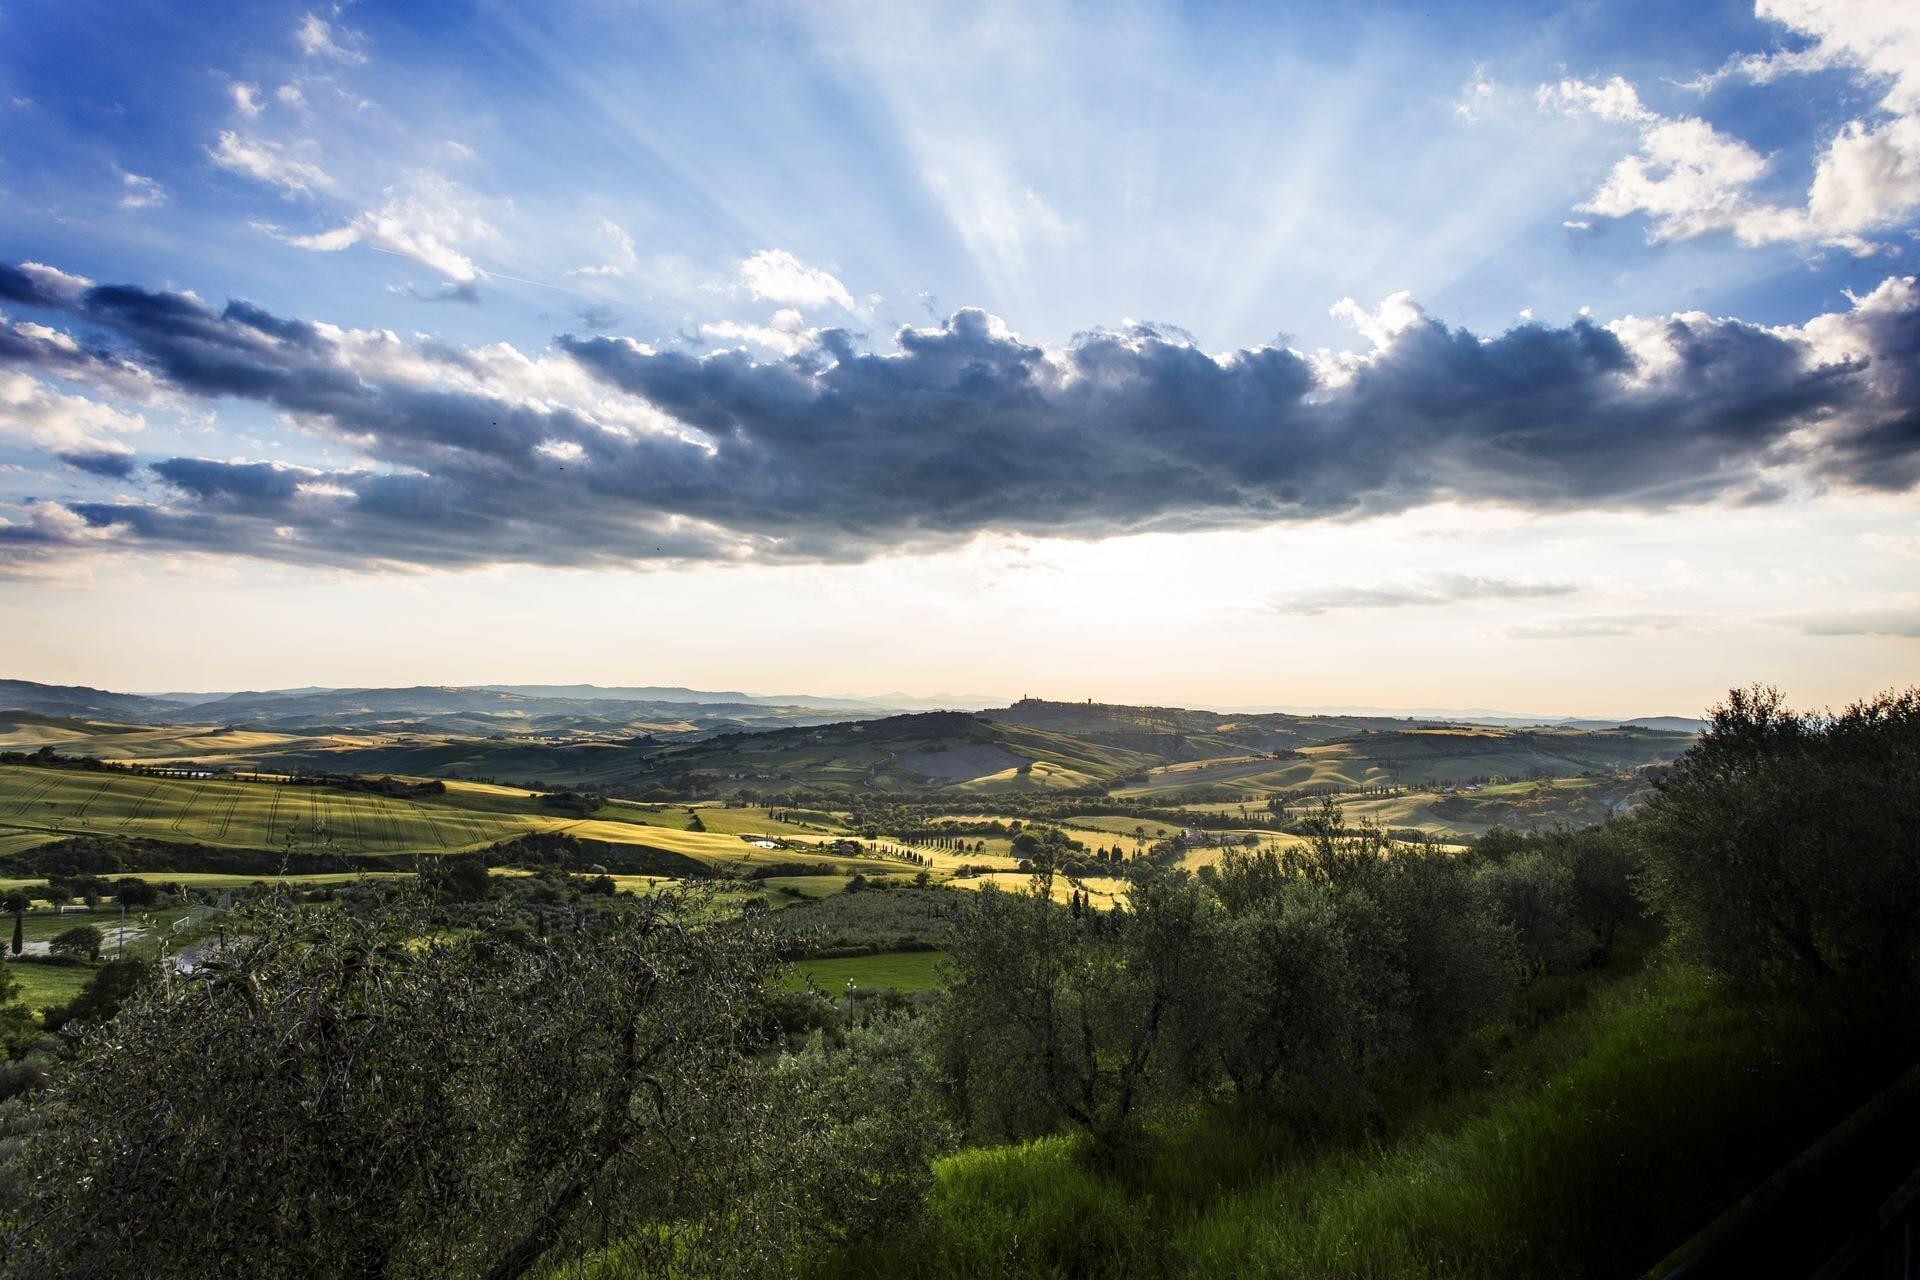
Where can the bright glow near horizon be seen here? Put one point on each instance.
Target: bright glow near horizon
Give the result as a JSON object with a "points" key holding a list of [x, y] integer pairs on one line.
{"points": [[553, 358]]}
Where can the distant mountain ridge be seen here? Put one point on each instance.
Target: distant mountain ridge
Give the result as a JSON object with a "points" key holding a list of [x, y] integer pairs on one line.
{"points": [[607, 708]]}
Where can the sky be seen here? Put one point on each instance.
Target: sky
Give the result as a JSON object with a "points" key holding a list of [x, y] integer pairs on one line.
{"points": [[1547, 358]]}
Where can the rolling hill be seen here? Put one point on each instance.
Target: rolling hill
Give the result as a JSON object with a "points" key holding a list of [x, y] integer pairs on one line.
{"points": [[629, 745], [82, 702]]}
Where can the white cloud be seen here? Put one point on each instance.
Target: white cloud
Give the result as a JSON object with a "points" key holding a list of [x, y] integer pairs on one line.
{"points": [[55, 281], [246, 99], [774, 275], [1475, 95], [786, 333], [318, 38], [140, 192], [1396, 313], [429, 224], [1688, 178], [290, 95], [1691, 180], [33, 412], [268, 162], [1869, 177], [562, 450], [1614, 100], [1880, 39]]}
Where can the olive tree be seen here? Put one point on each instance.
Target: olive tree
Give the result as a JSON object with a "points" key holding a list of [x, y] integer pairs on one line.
{"points": [[1442, 953], [1532, 893], [1784, 846], [335, 1094], [1054, 1018], [1290, 1012]]}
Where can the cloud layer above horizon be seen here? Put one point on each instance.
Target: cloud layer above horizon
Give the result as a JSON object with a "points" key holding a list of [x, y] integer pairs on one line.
{"points": [[603, 450]]}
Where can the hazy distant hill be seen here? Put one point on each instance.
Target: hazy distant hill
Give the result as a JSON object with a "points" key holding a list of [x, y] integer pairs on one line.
{"points": [[619, 740], [494, 711], [699, 697], [80, 701], [1669, 724]]}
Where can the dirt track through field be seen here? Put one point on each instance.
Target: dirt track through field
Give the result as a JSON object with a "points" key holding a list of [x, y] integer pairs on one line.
{"points": [[31, 797]]}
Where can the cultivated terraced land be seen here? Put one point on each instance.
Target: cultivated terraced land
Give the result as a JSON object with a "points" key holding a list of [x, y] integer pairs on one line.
{"points": [[240, 815], [39, 805]]}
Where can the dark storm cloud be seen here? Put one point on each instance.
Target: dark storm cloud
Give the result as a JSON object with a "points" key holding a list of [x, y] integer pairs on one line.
{"points": [[100, 462], [467, 292], [20, 286], [838, 453], [257, 487], [595, 316]]}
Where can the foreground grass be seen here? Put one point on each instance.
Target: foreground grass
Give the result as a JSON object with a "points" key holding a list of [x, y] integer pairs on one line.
{"points": [[1589, 1149]]}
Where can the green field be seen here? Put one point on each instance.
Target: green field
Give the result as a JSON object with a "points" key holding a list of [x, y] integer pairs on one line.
{"points": [[44, 985], [38, 805], [903, 970]]}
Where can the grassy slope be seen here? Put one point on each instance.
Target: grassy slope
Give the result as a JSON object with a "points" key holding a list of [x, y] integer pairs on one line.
{"points": [[1594, 1148]]}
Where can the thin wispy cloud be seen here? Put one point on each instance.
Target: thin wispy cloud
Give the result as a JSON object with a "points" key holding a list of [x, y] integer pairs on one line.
{"points": [[1902, 621], [1604, 625], [1433, 591]]}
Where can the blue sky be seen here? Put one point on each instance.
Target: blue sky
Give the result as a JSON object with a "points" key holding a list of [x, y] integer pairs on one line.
{"points": [[672, 248]]}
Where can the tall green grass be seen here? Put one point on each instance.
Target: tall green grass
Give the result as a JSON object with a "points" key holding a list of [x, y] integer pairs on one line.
{"points": [[1587, 1148]]}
